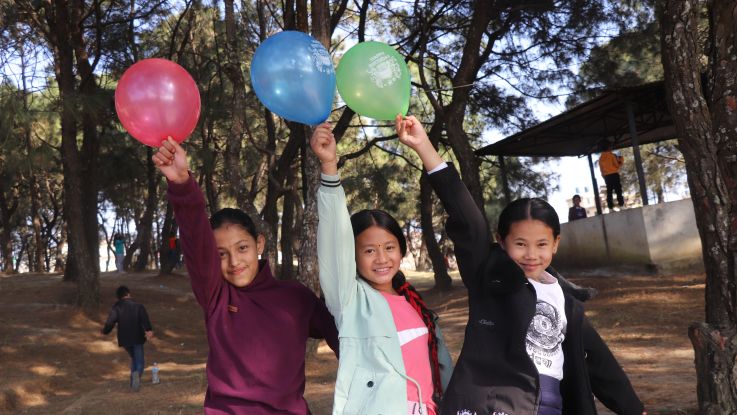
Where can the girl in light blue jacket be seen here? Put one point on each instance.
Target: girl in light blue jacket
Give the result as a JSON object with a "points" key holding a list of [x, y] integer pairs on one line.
{"points": [[393, 359]]}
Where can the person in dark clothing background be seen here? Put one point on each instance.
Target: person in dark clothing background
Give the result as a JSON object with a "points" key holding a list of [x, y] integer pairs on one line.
{"points": [[134, 327], [576, 211]]}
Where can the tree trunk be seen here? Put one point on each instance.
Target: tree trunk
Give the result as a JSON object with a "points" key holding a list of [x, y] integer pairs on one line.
{"points": [[35, 262], [278, 173], [85, 266], [714, 356], [287, 236], [6, 227], [270, 211], [442, 279], [287, 231], [308, 269], [707, 126], [88, 94], [168, 229], [145, 226], [59, 263], [455, 113]]}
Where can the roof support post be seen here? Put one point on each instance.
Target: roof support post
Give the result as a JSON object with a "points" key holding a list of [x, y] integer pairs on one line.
{"points": [[505, 181], [595, 185], [636, 151]]}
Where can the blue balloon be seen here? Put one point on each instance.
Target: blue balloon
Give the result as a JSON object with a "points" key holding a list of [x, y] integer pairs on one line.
{"points": [[293, 76]]}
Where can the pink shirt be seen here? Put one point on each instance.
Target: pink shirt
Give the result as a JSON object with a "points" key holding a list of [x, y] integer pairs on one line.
{"points": [[413, 333]]}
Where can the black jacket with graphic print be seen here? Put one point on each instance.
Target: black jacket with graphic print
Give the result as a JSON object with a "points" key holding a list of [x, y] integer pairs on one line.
{"points": [[494, 374]]}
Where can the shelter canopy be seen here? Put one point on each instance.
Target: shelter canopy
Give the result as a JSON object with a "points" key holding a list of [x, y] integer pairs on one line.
{"points": [[583, 129]]}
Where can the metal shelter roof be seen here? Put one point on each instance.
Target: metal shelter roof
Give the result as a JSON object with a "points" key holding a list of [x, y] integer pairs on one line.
{"points": [[583, 129]]}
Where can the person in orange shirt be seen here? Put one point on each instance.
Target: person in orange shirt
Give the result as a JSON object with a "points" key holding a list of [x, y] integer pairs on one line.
{"points": [[609, 164]]}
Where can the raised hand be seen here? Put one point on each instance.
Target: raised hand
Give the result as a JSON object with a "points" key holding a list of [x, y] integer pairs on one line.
{"points": [[410, 132], [413, 135], [323, 145], [171, 159]]}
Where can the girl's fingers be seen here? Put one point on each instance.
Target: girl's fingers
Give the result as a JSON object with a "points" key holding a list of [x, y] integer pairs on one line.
{"points": [[173, 145], [399, 125], [165, 153], [161, 161]]}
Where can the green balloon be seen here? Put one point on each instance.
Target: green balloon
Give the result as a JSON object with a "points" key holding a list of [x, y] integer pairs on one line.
{"points": [[373, 80]]}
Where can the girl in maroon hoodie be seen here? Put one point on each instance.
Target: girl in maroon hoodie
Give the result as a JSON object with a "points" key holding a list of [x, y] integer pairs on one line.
{"points": [[257, 326]]}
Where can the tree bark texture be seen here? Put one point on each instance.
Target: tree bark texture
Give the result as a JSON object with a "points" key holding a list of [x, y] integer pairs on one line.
{"points": [[88, 93], [287, 230], [8, 206], [85, 266], [308, 267], [455, 113], [705, 116], [36, 262], [168, 229], [442, 279], [440, 270], [145, 226]]}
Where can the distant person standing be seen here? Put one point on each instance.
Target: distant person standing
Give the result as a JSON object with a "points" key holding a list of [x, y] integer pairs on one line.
{"points": [[576, 211], [134, 328], [609, 164], [119, 245], [174, 250]]}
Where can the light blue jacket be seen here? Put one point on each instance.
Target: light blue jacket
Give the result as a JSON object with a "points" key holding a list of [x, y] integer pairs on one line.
{"points": [[371, 375]]}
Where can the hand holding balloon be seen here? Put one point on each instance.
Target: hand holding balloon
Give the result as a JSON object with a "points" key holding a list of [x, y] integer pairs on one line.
{"points": [[171, 160], [323, 145], [156, 98]]}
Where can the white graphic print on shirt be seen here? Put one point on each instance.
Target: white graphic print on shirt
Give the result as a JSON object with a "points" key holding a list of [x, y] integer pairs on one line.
{"points": [[547, 330]]}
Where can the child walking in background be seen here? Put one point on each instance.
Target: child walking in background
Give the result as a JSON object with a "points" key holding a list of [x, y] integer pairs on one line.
{"points": [[257, 326], [134, 327], [393, 359], [529, 349]]}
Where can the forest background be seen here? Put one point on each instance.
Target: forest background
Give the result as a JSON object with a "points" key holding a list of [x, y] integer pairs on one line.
{"points": [[70, 176], [478, 70]]}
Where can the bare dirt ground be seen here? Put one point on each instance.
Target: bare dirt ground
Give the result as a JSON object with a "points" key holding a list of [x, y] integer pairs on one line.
{"points": [[54, 361]]}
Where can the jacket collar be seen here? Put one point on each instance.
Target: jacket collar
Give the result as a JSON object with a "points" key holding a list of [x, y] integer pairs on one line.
{"points": [[263, 279]]}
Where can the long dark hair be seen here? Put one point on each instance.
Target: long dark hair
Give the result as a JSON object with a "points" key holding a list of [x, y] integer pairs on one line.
{"points": [[367, 218], [525, 209], [234, 217]]}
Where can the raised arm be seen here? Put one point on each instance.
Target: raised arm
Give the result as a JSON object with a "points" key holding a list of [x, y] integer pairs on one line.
{"points": [[466, 224], [197, 241], [335, 244]]}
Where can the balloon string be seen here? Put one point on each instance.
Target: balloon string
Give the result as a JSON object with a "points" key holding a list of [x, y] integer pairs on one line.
{"points": [[451, 88]]}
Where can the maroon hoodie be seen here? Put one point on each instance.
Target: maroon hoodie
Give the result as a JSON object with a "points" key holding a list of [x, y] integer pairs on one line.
{"points": [[257, 334]]}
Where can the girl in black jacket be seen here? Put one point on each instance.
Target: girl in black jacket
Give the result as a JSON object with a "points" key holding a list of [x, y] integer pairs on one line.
{"points": [[528, 348]]}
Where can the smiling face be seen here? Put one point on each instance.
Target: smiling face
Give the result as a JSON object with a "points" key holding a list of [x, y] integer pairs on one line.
{"points": [[239, 252], [531, 244], [378, 256]]}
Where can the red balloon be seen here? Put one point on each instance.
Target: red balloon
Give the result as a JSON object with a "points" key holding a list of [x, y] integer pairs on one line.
{"points": [[156, 98]]}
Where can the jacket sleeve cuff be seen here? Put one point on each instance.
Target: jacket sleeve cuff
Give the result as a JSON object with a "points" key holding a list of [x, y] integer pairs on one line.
{"points": [[181, 189], [330, 181], [437, 168]]}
